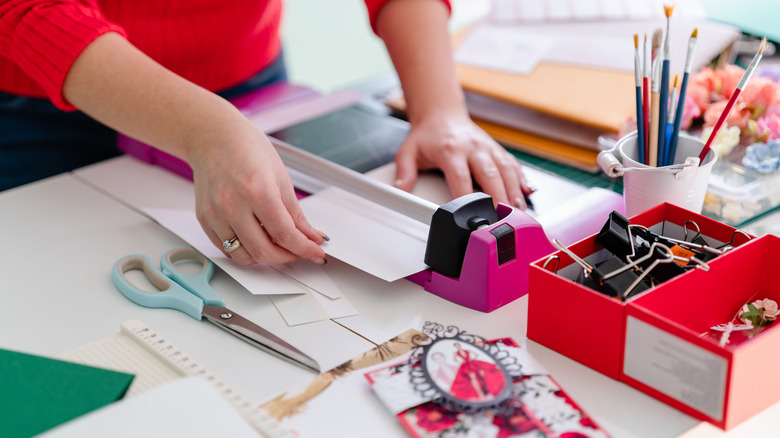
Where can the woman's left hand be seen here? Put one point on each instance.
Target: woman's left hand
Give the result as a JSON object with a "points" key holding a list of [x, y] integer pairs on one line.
{"points": [[461, 149]]}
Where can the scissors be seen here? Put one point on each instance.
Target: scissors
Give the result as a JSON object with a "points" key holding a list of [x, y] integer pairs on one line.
{"points": [[191, 294]]}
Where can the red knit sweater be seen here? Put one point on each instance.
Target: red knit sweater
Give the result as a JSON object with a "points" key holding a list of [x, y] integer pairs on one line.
{"points": [[213, 43]]}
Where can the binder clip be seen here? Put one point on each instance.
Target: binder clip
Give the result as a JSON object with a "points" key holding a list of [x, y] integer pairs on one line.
{"points": [[633, 243], [613, 277], [615, 236], [479, 254]]}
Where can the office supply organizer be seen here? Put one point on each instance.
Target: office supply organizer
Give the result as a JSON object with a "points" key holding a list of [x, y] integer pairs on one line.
{"points": [[137, 349], [658, 340]]}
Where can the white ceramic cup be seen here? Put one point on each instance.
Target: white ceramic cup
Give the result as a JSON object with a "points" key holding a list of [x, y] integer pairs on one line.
{"points": [[645, 187]]}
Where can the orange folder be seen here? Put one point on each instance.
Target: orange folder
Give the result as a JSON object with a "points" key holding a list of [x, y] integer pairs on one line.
{"points": [[602, 99]]}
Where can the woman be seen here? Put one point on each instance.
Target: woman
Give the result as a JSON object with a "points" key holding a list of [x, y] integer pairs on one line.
{"points": [[150, 70]]}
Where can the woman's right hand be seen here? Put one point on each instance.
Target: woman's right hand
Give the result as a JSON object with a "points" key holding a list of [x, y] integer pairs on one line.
{"points": [[243, 190]]}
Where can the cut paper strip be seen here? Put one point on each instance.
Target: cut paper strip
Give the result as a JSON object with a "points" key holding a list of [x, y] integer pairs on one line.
{"points": [[370, 237], [299, 309], [336, 308], [312, 276], [311, 306]]}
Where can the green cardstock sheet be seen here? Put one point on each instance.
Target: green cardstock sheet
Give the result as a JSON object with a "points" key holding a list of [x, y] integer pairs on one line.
{"points": [[38, 393]]}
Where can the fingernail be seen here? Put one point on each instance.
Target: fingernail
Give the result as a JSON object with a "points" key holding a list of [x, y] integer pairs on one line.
{"points": [[397, 183], [319, 260], [520, 203], [531, 188], [323, 235]]}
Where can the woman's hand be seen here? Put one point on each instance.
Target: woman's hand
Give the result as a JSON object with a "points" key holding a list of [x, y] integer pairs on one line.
{"points": [[442, 136], [461, 150], [243, 190]]}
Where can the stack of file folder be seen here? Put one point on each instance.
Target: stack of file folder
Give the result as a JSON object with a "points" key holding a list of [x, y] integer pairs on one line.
{"points": [[579, 93]]}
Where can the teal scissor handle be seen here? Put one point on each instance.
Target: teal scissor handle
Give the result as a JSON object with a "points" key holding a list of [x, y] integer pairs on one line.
{"points": [[197, 283], [169, 294]]}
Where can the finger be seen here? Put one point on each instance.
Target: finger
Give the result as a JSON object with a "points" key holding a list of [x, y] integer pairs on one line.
{"points": [[405, 170], [488, 176], [283, 232], [301, 223], [458, 176], [240, 255], [258, 244], [513, 177]]}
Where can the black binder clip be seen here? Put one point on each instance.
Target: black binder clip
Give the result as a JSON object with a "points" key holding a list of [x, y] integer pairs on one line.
{"points": [[615, 236], [612, 277]]}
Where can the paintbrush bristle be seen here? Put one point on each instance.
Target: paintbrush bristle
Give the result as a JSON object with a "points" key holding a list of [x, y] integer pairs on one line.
{"points": [[763, 45], [668, 9], [636, 41], [695, 32], [676, 80], [658, 36]]}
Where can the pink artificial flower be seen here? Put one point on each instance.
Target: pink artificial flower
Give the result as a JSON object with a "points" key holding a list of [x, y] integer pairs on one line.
{"points": [[700, 95], [758, 95], [773, 109], [769, 307], [738, 117], [768, 127], [730, 75], [691, 111], [707, 79]]}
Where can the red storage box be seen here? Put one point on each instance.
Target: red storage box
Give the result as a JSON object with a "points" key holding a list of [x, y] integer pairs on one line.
{"points": [[591, 327], [671, 354]]}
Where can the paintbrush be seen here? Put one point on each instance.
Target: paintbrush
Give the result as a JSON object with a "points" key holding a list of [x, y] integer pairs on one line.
{"points": [[655, 86], [733, 99], [640, 124], [672, 149], [670, 122], [663, 105]]}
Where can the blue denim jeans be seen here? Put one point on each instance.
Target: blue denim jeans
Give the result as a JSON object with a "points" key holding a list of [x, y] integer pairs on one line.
{"points": [[37, 140]]}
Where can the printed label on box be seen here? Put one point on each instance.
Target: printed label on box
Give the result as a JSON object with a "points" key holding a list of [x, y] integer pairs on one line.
{"points": [[686, 372]]}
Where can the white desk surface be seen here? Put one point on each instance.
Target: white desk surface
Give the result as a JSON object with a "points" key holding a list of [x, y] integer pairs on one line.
{"points": [[62, 235]]}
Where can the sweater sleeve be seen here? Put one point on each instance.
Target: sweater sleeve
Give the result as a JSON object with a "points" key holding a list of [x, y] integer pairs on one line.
{"points": [[374, 6], [44, 37]]}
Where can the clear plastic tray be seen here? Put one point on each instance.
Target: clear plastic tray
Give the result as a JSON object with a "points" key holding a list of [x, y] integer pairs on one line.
{"points": [[737, 194]]}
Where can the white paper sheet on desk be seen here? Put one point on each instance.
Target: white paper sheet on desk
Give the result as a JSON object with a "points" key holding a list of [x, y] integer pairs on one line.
{"points": [[295, 280], [370, 237]]}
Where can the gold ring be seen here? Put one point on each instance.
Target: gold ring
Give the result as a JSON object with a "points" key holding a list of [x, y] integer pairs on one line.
{"points": [[231, 245]]}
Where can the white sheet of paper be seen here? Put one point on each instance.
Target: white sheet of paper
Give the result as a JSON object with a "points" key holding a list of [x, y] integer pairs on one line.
{"points": [[502, 48], [185, 407], [370, 237]]}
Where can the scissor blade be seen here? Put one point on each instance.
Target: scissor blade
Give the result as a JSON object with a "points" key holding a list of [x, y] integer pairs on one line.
{"points": [[250, 332]]}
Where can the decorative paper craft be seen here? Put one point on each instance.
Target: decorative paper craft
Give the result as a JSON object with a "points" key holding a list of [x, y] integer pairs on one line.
{"points": [[454, 384]]}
